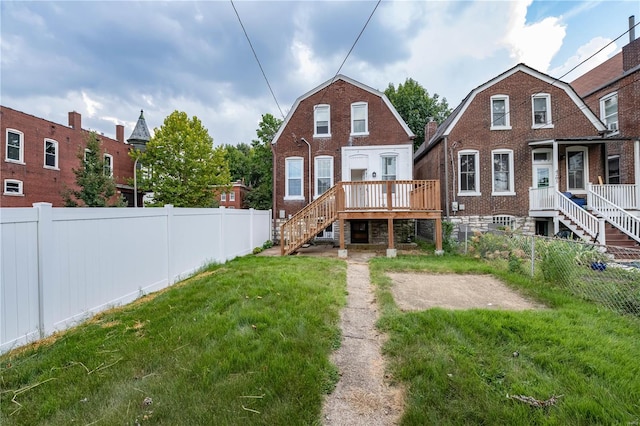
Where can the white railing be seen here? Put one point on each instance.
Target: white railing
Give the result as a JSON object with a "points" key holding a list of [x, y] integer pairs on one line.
{"points": [[542, 198], [623, 196], [615, 215], [62, 265], [581, 217]]}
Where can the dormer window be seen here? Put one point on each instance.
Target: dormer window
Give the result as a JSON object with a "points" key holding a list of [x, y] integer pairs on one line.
{"points": [[609, 111], [541, 110], [500, 112], [321, 119]]}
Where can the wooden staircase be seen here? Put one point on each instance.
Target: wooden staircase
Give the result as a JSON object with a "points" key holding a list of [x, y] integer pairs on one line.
{"points": [[309, 222]]}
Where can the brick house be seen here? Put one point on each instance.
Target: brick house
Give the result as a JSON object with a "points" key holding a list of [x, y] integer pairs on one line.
{"points": [[343, 139], [521, 150], [39, 155], [234, 196]]}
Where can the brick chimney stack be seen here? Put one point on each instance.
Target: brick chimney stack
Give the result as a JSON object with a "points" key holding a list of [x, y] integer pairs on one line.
{"points": [[75, 120], [120, 133], [430, 129], [631, 52]]}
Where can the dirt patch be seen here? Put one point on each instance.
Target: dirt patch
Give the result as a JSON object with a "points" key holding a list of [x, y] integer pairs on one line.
{"points": [[414, 292]]}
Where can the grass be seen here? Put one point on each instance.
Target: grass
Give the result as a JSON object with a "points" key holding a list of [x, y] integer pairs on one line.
{"points": [[247, 342], [459, 366]]}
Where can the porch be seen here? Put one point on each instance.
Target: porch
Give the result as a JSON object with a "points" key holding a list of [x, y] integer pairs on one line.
{"points": [[607, 211], [365, 200]]}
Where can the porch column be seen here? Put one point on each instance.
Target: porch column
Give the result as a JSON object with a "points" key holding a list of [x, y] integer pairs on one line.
{"points": [[438, 236], [391, 251], [342, 253], [636, 171], [556, 172]]}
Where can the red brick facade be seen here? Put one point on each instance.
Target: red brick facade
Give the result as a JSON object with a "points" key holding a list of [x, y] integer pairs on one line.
{"points": [[469, 128], [46, 184], [234, 197], [385, 127]]}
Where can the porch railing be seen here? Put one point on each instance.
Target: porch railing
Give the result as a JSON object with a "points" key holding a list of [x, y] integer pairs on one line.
{"points": [[623, 196], [542, 198], [391, 195], [612, 213]]}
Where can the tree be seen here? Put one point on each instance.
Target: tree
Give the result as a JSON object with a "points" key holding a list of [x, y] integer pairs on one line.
{"points": [[415, 106], [260, 178], [94, 180], [181, 165], [239, 161]]}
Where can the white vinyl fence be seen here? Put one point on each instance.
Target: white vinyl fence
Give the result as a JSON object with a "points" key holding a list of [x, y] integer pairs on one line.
{"points": [[62, 265]]}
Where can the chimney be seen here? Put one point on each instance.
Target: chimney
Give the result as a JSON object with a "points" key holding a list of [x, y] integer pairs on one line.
{"points": [[75, 120], [430, 129], [631, 52], [120, 133]]}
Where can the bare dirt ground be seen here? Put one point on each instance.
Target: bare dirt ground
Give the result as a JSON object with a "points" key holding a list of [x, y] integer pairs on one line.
{"points": [[363, 395]]}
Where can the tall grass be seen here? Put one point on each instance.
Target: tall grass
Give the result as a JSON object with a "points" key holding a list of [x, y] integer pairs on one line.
{"points": [[464, 367], [247, 342]]}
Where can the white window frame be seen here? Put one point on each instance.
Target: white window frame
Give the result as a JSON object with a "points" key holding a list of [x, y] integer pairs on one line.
{"points": [[613, 125], [355, 107], [585, 174], [507, 113], [316, 165], [20, 159], [55, 155], [287, 166], [548, 124], [316, 110], [104, 159], [511, 184], [232, 196], [223, 196], [476, 155], [615, 158], [385, 176], [13, 193]]}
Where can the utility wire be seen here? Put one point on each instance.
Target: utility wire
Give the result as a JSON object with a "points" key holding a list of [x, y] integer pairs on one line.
{"points": [[350, 50], [257, 60]]}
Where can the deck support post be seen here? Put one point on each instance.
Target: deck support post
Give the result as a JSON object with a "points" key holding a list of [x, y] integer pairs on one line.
{"points": [[439, 236]]}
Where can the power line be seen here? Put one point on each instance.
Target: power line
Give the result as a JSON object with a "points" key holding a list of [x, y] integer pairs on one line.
{"points": [[257, 60]]}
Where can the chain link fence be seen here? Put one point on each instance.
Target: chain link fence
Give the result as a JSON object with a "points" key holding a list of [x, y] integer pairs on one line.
{"points": [[606, 275]]}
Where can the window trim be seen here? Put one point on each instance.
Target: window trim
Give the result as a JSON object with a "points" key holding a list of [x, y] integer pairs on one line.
{"points": [[511, 189], [366, 118], [232, 196], [608, 174], [104, 159], [20, 160], [476, 155], [55, 156], [507, 113], [316, 108], [20, 184], [585, 177], [603, 117], [316, 168], [549, 119], [223, 197], [287, 162]]}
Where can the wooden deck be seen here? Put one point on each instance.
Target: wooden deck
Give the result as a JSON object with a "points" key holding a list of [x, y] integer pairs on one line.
{"points": [[390, 200]]}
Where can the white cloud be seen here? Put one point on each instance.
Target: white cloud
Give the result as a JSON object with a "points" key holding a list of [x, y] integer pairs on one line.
{"points": [[91, 105], [583, 54]]}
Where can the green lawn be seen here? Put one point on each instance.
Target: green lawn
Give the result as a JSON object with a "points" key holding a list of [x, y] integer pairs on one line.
{"points": [[459, 366], [247, 342]]}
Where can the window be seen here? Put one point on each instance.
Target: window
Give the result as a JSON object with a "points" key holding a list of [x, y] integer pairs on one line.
{"points": [[223, 196], [108, 165], [321, 118], [293, 179], [468, 175], [87, 151], [613, 170], [15, 151], [609, 111], [324, 174], [50, 154], [12, 187], [577, 169], [500, 112], [232, 196], [503, 172], [359, 118], [389, 163], [541, 105]]}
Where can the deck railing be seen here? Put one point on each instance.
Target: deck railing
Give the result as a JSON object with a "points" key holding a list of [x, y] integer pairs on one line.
{"points": [[623, 196]]}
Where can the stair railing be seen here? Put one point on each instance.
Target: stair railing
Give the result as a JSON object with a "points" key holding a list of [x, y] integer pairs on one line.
{"points": [[615, 215], [581, 217]]}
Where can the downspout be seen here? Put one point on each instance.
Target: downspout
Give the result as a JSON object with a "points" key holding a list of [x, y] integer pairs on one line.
{"points": [[446, 176], [309, 145]]}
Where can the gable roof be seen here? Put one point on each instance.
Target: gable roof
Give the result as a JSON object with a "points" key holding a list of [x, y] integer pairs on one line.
{"points": [[599, 76], [447, 125], [349, 81]]}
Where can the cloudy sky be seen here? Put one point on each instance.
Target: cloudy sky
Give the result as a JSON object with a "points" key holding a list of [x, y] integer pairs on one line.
{"points": [[110, 59]]}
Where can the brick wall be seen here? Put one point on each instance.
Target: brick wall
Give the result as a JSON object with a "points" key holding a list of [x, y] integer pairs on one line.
{"points": [[42, 184]]}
